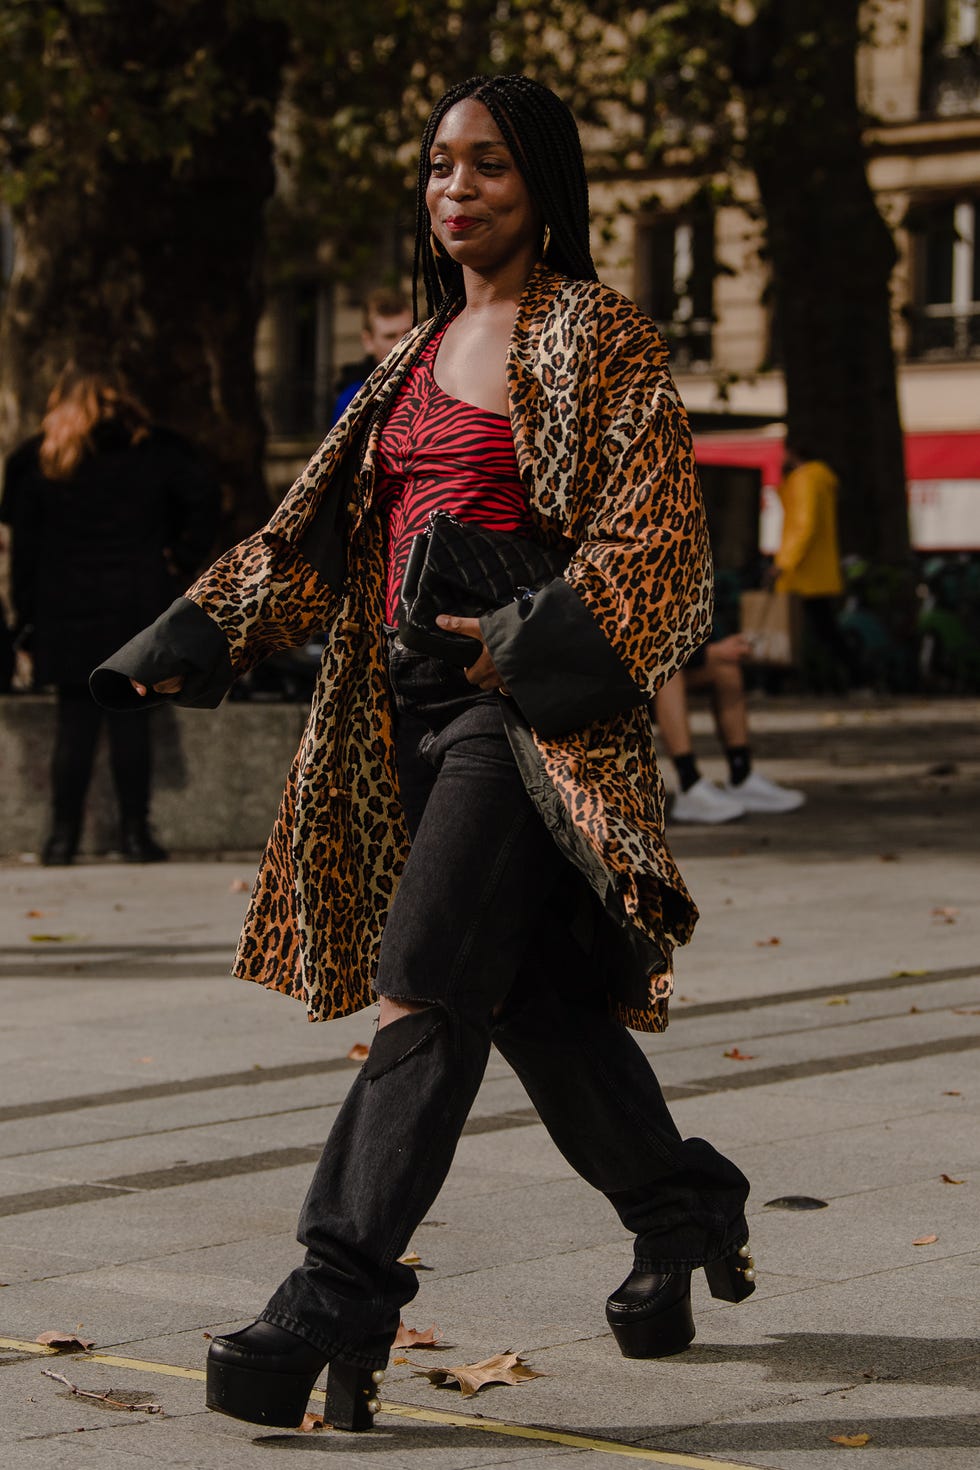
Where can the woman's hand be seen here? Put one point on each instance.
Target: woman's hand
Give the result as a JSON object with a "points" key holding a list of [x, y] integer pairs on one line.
{"points": [[482, 671], [165, 686], [734, 649]]}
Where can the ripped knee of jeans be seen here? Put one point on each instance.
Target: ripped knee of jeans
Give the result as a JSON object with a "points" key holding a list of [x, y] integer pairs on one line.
{"points": [[400, 1039]]}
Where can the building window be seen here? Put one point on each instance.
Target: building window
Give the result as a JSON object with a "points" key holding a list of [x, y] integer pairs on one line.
{"points": [[945, 316], [951, 57], [675, 261]]}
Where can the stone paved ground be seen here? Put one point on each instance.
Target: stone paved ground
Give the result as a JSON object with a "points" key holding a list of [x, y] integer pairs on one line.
{"points": [[159, 1123]]}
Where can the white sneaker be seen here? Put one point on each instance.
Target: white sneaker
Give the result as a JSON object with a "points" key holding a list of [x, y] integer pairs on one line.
{"points": [[757, 794], [706, 802]]}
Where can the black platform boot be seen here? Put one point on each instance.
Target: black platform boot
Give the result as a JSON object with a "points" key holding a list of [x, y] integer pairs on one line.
{"points": [[650, 1314], [265, 1375]]}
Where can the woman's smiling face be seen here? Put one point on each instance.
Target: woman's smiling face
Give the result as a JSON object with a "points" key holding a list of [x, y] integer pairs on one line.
{"points": [[481, 210]]}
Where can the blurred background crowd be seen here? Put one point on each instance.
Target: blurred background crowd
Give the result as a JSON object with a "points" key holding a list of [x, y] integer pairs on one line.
{"points": [[206, 215]]}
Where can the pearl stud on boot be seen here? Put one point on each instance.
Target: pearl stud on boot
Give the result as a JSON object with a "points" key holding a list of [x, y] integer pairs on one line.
{"points": [[732, 1278]]}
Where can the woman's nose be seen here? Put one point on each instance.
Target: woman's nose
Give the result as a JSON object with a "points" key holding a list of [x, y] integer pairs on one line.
{"points": [[461, 183]]}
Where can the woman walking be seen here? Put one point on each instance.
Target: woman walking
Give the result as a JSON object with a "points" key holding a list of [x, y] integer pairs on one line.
{"points": [[535, 401], [107, 512]]}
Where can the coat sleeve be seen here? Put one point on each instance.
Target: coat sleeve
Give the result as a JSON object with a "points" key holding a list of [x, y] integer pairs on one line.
{"points": [[21, 508], [799, 519], [261, 596], [636, 598]]}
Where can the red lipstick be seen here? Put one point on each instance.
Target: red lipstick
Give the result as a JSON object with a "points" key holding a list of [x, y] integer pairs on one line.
{"points": [[457, 223]]}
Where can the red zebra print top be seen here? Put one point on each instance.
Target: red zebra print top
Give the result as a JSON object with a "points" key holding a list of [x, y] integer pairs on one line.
{"points": [[439, 453]]}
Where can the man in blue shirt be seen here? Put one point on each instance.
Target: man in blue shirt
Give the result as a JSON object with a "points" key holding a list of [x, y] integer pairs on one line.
{"points": [[387, 317]]}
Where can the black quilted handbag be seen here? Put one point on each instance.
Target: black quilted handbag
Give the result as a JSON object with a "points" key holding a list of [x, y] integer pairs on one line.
{"points": [[456, 567]]}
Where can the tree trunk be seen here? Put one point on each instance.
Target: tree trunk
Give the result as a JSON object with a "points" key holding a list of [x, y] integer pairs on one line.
{"points": [[155, 268], [832, 256]]}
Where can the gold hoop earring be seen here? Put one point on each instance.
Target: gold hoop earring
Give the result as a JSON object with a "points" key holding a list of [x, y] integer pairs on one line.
{"points": [[545, 241], [435, 246]]}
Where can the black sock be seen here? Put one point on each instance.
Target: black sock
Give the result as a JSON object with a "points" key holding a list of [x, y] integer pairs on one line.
{"points": [[739, 763], [687, 771]]}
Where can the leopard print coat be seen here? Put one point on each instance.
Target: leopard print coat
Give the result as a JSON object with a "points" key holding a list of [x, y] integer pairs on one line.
{"points": [[605, 452]]}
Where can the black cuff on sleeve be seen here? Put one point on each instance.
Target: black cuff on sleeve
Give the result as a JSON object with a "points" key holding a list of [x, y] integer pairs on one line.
{"points": [[183, 640], [556, 661]]}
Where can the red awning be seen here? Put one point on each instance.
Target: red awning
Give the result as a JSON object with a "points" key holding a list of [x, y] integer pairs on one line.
{"points": [[953, 456]]}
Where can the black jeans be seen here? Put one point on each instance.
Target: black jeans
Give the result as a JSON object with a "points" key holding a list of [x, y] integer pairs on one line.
{"points": [[476, 934], [79, 723]]}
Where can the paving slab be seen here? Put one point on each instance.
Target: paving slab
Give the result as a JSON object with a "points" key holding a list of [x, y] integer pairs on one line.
{"points": [[864, 1104]]}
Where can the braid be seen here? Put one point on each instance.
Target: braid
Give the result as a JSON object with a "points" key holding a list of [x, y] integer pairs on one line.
{"points": [[541, 134]]}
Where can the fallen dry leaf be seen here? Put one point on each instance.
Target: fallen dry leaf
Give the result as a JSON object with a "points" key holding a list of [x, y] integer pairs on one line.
{"points": [[238, 885], [358, 1052], [959, 1011], [914, 1011], [399, 1361], [413, 1259], [65, 1341], [888, 857], [34, 914], [907, 974], [50, 938], [946, 915], [501, 1368], [952, 1093], [837, 1000], [310, 1423], [851, 1441], [948, 1179], [411, 1337], [761, 943], [739, 1056], [926, 1240]]}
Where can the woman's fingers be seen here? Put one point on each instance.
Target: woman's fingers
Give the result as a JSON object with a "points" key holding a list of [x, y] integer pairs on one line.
{"points": [[469, 627], [165, 686], [482, 671]]}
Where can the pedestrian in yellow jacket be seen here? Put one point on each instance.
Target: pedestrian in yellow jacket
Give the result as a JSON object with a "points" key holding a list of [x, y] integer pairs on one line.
{"points": [[808, 563], [808, 559]]}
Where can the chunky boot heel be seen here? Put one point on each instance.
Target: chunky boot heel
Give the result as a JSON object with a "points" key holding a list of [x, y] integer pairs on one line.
{"points": [[733, 1277], [650, 1314], [352, 1400], [263, 1374]]}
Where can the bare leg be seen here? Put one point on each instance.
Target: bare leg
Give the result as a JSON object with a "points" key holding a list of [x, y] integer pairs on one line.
{"points": [[727, 688], [670, 712], [393, 1010]]}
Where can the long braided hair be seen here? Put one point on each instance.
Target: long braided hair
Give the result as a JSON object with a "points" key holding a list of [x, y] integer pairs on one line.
{"points": [[541, 134]]}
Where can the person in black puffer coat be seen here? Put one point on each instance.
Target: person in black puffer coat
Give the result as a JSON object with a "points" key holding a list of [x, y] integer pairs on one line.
{"points": [[110, 515]]}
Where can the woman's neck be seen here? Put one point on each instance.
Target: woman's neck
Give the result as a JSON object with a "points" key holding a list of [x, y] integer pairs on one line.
{"points": [[502, 288]]}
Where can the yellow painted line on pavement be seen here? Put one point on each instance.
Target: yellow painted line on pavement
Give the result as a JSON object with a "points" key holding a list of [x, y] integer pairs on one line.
{"points": [[426, 1416], [557, 1436], [138, 1365]]}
